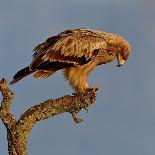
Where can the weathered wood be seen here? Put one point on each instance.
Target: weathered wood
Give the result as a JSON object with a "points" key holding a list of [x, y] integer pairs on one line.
{"points": [[18, 130]]}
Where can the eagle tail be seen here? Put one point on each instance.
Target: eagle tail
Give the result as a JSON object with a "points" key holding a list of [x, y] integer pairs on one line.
{"points": [[21, 74], [42, 74]]}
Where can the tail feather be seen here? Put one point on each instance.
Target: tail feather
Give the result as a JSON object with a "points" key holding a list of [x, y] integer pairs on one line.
{"points": [[21, 74], [42, 74]]}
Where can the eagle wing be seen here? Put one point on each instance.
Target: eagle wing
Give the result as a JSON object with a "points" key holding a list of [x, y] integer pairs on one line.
{"points": [[76, 47]]}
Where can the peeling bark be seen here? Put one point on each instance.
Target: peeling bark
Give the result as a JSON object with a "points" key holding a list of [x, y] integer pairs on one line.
{"points": [[18, 130]]}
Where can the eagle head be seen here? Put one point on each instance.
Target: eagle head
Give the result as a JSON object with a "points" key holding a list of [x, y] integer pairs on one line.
{"points": [[123, 52]]}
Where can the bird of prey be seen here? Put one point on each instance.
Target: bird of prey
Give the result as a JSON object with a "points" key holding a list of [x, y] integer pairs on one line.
{"points": [[75, 52]]}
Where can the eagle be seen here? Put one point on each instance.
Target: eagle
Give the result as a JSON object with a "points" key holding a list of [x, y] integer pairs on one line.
{"points": [[75, 52]]}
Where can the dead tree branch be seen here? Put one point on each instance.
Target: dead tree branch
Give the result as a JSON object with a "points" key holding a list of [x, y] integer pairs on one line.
{"points": [[18, 130]]}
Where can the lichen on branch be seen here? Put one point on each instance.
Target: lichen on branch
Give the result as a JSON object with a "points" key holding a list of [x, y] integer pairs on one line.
{"points": [[18, 130]]}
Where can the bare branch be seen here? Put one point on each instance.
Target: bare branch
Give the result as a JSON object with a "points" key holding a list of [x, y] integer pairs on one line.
{"points": [[18, 131]]}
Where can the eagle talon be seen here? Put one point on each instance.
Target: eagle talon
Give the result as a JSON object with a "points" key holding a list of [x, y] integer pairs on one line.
{"points": [[78, 120]]}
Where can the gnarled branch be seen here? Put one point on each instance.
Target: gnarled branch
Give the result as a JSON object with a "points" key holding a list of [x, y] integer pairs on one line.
{"points": [[18, 130]]}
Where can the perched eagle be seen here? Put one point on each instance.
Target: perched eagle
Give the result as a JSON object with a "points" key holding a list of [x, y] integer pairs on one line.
{"points": [[76, 53]]}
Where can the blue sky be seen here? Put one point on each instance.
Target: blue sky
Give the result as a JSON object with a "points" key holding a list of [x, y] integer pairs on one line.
{"points": [[123, 119]]}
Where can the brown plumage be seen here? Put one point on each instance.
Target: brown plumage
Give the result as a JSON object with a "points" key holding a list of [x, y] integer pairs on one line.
{"points": [[76, 53]]}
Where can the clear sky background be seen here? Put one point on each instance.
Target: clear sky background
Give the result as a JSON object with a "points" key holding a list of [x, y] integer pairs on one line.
{"points": [[122, 122]]}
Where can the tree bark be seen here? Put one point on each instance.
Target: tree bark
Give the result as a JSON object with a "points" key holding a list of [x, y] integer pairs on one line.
{"points": [[18, 130]]}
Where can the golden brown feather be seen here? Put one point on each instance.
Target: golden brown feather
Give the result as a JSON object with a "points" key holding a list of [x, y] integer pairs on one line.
{"points": [[76, 53]]}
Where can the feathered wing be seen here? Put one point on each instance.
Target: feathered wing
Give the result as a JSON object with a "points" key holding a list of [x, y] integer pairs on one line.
{"points": [[75, 45], [68, 49]]}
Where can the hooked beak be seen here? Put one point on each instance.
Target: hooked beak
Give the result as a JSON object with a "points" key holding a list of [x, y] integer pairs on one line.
{"points": [[120, 60], [120, 63]]}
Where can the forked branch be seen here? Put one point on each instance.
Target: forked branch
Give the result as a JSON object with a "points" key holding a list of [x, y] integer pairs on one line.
{"points": [[18, 130]]}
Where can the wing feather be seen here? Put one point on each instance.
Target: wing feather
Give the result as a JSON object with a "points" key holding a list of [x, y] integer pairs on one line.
{"points": [[72, 46]]}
